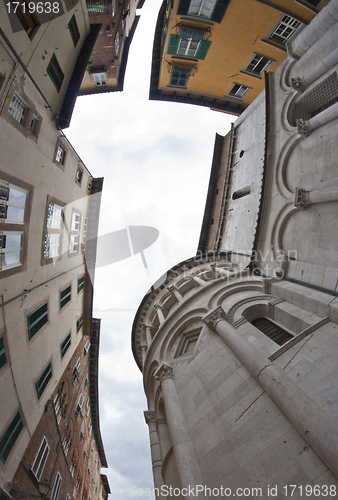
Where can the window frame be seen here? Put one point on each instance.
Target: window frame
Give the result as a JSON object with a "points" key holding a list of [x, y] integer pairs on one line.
{"points": [[23, 125], [52, 231], [257, 74], [60, 144], [4, 250], [3, 351], [56, 486], [46, 375], [234, 96], [65, 296], [278, 25], [74, 30], [187, 76], [80, 283], [43, 458], [65, 344], [43, 326], [4, 451], [79, 322], [55, 72]]}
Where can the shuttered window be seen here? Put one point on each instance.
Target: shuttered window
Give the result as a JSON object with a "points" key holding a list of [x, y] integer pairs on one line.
{"points": [[65, 296], [74, 30], [207, 9], [43, 380], [271, 330], [55, 72], [9, 437], [189, 45], [65, 345], [3, 356], [37, 319]]}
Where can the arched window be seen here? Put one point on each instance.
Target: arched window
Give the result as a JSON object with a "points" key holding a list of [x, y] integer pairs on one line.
{"points": [[271, 330]]}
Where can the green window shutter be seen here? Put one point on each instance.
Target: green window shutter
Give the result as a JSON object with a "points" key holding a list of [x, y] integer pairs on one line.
{"points": [[202, 49], [174, 40], [183, 7], [9, 437], [219, 10]]}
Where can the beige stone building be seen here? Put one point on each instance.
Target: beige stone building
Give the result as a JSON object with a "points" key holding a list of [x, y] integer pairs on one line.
{"points": [[238, 345], [49, 208]]}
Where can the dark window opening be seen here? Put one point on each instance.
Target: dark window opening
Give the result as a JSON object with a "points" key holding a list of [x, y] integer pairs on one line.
{"points": [[271, 330], [241, 193]]}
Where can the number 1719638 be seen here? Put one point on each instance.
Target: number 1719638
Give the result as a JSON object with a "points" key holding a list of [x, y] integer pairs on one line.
{"points": [[31, 7]]}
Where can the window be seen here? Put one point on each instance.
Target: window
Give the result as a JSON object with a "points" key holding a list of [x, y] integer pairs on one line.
{"points": [[81, 436], [54, 224], [40, 458], [37, 319], [90, 427], [68, 497], [271, 330], [65, 296], [12, 203], [284, 30], [86, 347], [100, 79], [85, 450], [75, 221], [9, 437], [78, 409], [88, 406], [258, 64], [79, 324], [34, 125], [43, 380], [18, 109], [80, 284], [60, 155], [74, 30], [55, 72], [117, 43], [238, 91], [65, 345], [66, 442], [26, 19], [10, 249], [84, 235], [78, 175], [76, 370], [56, 487], [74, 243], [208, 9], [3, 356], [190, 42], [89, 467], [179, 76], [59, 407]]}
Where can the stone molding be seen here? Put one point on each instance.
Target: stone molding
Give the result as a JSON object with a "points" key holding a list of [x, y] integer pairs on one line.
{"points": [[233, 309], [163, 372], [149, 417], [215, 316], [303, 127], [298, 83]]}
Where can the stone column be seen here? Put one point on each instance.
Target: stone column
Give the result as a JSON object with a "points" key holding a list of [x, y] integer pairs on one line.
{"points": [[160, 314], [300, 83], [313, 424], [175, 292], [154, 450], [186, 460], [148, 334], [305, 127], [304, 198], [197, 280], [143, 350]]}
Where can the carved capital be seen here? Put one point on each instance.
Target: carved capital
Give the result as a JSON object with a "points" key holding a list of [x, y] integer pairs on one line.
{"points": [[299, 84], [213, 317], [303, 127], [302, 198], [150, 417], [163, 372]]}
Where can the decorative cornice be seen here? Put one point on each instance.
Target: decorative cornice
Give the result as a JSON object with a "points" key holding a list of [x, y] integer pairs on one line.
{"points": [[213, 317], [149, 417], [163, 372]]}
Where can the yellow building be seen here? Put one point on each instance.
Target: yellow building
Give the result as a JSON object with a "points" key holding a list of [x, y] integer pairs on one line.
{"points": [[215, 52]]}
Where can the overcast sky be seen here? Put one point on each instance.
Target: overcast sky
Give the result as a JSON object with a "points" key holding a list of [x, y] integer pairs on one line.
{"points": [[155, 159]]}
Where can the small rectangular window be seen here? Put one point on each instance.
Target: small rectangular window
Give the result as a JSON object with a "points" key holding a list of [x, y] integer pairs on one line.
{"points": [[65, 296], [78, 408], [9, 437], [60, 155], [18, 109], [40, 459], [43, 380], [55, 72], [10, 249], [86, 347], [179, 76], [258, 64], [76, 371], [80, 284], [100, 79], [66, 345], [37, 319], [238, 90], [12, 203], [3, 356], [79, 324], [76, 218], [56, 487], [74, 30], [34, 125], [74, 243], [284, 30]]}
